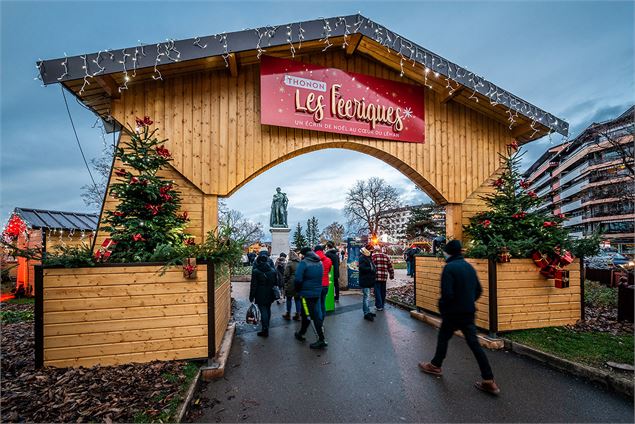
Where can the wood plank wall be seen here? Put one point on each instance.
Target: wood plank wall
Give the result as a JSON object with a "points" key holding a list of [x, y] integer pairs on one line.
{"points": [[212, 121], [222, 310], [428, 282], [528, 300], [115, 315]]}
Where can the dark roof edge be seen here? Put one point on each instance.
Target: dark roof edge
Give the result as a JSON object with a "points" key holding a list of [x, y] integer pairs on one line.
{"points": [[24, 212], [129, 59]]}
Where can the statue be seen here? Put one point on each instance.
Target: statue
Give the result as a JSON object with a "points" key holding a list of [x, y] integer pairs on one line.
{"points": [[279, 209]]}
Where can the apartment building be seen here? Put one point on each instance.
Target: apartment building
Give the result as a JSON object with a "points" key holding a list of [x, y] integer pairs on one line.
{"points": [[395, 221], [590, 180]]}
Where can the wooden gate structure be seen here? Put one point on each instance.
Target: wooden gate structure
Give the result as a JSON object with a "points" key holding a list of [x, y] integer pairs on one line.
{"points": [[204, 96]]}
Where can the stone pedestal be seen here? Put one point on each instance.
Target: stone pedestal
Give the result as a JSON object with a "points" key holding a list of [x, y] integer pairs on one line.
{"points": [[279, 241]]}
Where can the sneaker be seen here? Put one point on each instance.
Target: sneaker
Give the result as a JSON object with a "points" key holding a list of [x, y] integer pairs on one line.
{"points": [[369, 317], [380, 309], [488, 386], [320, 344], [373, 314], [286, 316], [296, 317], [299, 336], [263, 333], [428, 368]]}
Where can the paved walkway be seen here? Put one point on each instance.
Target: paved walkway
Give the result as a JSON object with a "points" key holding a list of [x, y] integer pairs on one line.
{"points": [[369, 374]]}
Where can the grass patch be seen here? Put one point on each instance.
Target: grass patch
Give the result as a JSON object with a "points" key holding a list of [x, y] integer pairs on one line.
{"points": [[168, 413], [399, 265], [599, 296], [21, 301], [11, 317], [241, 270], [591, 348]]}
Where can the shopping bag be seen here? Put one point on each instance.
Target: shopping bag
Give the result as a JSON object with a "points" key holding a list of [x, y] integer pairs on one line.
{"points": [[277, 294], [253, 314]]}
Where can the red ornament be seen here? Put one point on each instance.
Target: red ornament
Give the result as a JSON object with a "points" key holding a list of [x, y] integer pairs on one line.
{"points": [[532, 194], [163, 152], [184, 216], [498, 182], [519, 215], [105, 250], [524, 184], [145, 122], [166, 197], [561, 216], [15, 227], [165, 188], [540, 260], [513, 145], [117, 213], [548, 224], [153, 208], [134, 180], [121, 172], [189, 241], [486, 223], [138, 237]]}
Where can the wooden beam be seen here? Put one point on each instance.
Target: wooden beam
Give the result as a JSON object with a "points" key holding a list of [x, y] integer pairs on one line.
{"points": [[110, 86], [521, 129], [452, 94], [233, 64], [353, 42]]}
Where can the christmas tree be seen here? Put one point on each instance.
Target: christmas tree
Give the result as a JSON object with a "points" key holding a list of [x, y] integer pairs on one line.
{"points": [[146, 215], [513, 224], [299, 241]]}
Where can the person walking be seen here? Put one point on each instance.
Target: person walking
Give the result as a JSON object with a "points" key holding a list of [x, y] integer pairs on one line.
{"points": [[460, 289], [333, 254], [280, 265], [308, 284], [289, 287], [384, 270], [326, 265], [367, 274], [410, 259], [251, 257], [263, 278], [265, 252]]}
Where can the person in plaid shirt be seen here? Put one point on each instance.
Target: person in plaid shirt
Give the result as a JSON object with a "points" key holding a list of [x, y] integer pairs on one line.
{"points": [[384, 270]]}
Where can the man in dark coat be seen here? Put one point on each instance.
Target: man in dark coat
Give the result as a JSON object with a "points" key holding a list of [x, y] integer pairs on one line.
{"points": [[460, 289], [334, 256], [308, 284], [263, 278], [367, 274], [289, 287], [251, 257]]}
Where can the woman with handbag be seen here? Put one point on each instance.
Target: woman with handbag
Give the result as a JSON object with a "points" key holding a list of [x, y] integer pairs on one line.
{"points": [[263, 279]]}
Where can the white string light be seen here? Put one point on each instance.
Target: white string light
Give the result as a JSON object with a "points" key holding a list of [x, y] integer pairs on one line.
{"points": [[197, 43], [157, 74], [327, 33], [126, 78], [290, 40], [86, 75], [65, 65]]}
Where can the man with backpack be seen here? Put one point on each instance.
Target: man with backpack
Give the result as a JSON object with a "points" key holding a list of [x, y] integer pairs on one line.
{"points": [[308, 285]]}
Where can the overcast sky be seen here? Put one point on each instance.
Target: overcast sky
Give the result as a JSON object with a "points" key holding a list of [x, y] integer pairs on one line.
{"points": [[571, 58]]}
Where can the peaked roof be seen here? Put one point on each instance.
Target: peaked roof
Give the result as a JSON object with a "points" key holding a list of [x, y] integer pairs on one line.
{"points": [[153, 60], [40, 218]]}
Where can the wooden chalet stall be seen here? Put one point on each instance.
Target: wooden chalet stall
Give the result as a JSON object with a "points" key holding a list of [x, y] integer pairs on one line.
{"points": [[226, 120], [47, 229]]}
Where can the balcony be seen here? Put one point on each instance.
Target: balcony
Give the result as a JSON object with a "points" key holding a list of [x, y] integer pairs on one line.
{"points": [[540, 181], [576, 220], [574, 174], [568, 207], [542, 193], [574, 189], [576, 235]]}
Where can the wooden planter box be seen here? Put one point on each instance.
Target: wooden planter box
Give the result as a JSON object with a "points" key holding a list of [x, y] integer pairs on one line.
{"points": [[121, 313], [515, 295]]}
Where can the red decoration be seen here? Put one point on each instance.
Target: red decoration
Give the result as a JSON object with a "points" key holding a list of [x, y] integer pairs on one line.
{"points": [[105, 250], [541, 261], [121, 172], [153, 208], [185, 216], [134, 180], [532, 194], [561, 216], [145, 122], [504, 256], [513, 145], [117, 213], [548, 224], [165, 197], [189, 268], [165, 188], [163, 152], [498, 182], [519, 215], [561, 279], [301, 95], [138, 237], [15, 227], [189, 241], [524, 184], [486, 223]]}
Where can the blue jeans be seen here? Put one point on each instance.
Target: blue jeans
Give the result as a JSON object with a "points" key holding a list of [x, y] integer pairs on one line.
{"points": [[366, 300], [408, 268], [325, 291], [265, 316], [298, 304], [380, 294]]}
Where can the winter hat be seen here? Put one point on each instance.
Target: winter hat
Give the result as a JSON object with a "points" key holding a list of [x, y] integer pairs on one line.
{"points": [[305, 250], [453, 248], [283, 255], [264, 249], [365, 251], [318, 248]]}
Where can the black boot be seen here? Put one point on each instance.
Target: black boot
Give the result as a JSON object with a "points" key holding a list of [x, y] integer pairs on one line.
{"points": [[263, 333], [320, 344], [369, 317], [299, 336]]}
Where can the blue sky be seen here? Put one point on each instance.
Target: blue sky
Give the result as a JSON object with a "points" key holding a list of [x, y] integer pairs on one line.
{"points": [[571, 58]]}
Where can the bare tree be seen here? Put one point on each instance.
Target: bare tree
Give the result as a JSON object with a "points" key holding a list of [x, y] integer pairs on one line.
{"points": [[367, 202], [93, 194], [334, 232], [242, 228]]}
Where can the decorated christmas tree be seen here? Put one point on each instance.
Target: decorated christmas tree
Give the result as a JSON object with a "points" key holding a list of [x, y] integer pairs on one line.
{"points": [[513, 226], [147, 213]]}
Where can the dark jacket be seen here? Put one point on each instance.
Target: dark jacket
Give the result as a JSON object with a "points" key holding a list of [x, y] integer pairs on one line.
{"points": [[460, 287], [289, 274], [281, 264], [367, 271], [308, 276], [334, 256], [263, 278]]}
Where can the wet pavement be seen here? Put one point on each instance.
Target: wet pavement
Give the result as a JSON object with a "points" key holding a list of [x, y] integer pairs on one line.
{"points": [[369, 374]]}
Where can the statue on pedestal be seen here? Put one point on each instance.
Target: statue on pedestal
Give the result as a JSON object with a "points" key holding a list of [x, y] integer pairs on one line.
{"points": [[279, 210]]}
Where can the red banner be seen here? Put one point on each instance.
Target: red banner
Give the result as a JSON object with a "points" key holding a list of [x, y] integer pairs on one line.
{"points": [[301, 95]]}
